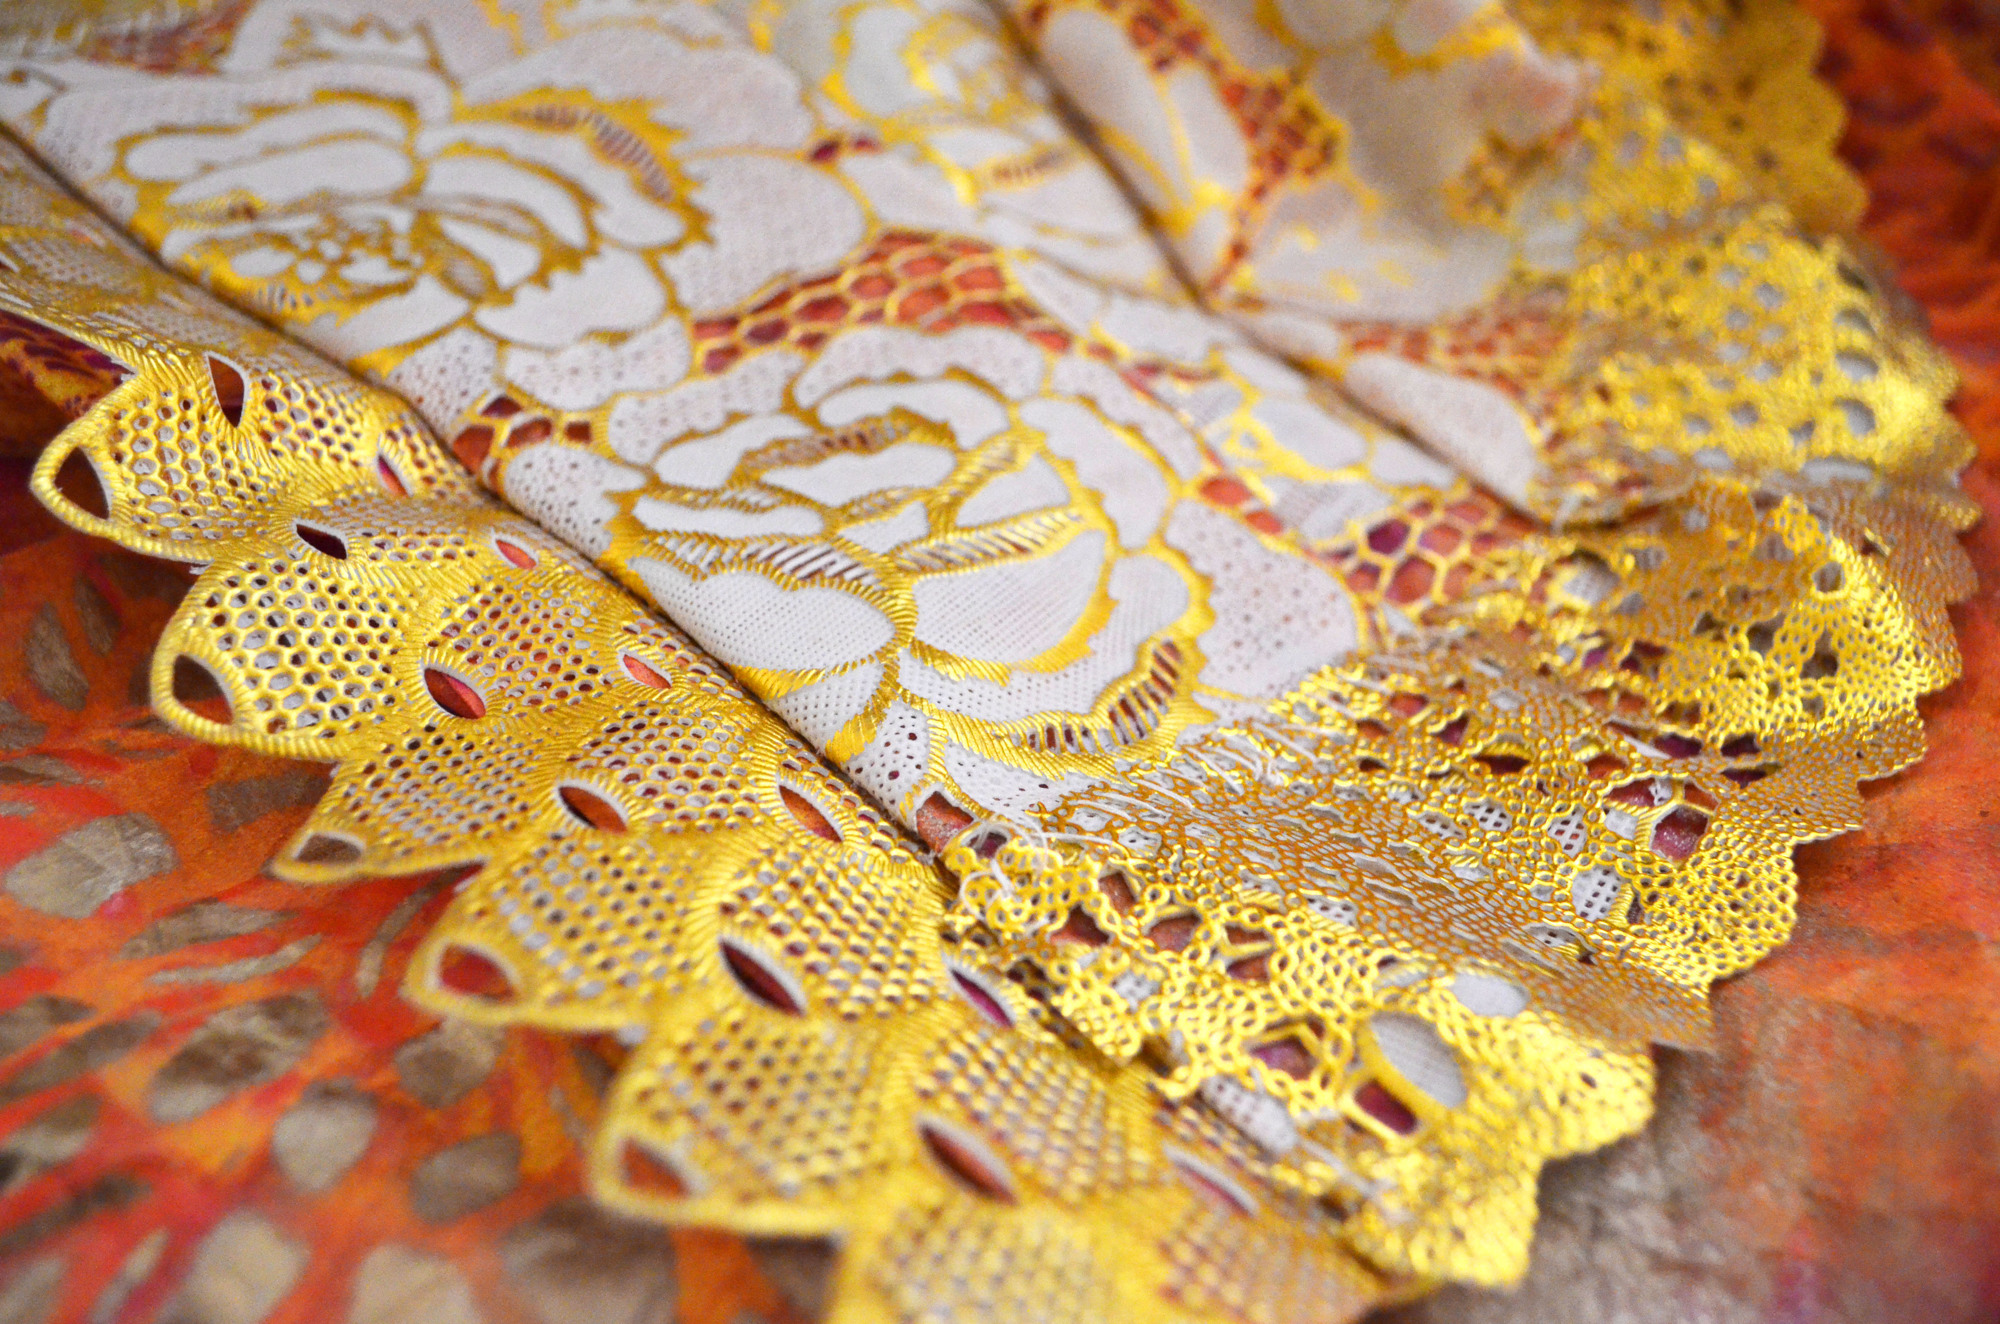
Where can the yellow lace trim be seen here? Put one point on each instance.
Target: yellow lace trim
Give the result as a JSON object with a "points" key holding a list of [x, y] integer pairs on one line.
{"points": [[1737, 76], [1598, 784], [1708, 334], [657, 857], [1563, 827], [1409, 933], [1704, 320]]}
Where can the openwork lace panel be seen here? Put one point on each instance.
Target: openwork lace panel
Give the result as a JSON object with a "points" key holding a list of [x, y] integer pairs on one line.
{"points": [[1322, 840]]}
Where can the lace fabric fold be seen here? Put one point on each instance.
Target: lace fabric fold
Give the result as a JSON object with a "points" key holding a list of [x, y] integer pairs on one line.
{"points": [[1513, 234], [650, 853], [1323, 843]]}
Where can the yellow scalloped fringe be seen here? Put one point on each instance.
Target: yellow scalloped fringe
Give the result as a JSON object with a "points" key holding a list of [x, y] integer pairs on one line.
{"points": [[1410, 934], [657, 857]]}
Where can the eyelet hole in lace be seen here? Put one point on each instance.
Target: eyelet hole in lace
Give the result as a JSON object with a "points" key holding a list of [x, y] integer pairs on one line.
{"points": [[77, 479], [472, 445], [1677, 746], [967, 1159], [643, 673], [1289, 1055], [514, 554], [392, 482], [328, 848], [454, 694], [809, 815], [1678, 834], [1384, 1108], [1117, 889], [324, 541], [1251, 969], [646, 1170], [228, 383], [1081, 929], [984, 999], [1173, 933], [762, 978], [197, 689], [590, 808], [1605, 765], [474, 974]]}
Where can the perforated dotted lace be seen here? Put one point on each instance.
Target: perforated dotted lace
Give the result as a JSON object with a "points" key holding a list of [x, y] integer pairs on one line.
{"points": [[1663, 312], [657, 858], [1233, 1007]]}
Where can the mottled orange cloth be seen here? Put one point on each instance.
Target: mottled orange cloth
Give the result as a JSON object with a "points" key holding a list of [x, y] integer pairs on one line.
{"points": [[190, 1052]]}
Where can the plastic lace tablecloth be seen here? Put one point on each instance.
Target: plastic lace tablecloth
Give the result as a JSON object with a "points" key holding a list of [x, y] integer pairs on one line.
{"points": [[1836, 1158]]}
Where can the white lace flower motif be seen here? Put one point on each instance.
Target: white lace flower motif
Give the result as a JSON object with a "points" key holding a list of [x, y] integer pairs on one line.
{"points": [[538, 215], [928, 552]]}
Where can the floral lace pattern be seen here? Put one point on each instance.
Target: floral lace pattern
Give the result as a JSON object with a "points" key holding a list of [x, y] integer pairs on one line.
{"points": [[949, 511], [1324, 842], [1518, 241], [658, 858]]}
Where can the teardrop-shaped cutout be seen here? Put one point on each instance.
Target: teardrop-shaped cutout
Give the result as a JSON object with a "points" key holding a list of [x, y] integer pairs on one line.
{"points": [[322, 540], [808, 815], [228, 383], [474, 974], [968, 1159], [983, 998], [514, 553], [645, 1169], [589, 808], [392, 482], [328, 848], [453, 695], [77, 479], [644, 674], [763, 979], [196, 689]]}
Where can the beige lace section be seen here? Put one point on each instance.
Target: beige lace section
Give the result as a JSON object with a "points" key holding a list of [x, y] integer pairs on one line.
{"points": [[1279, 1020], [655, 856], [1580, 248]]}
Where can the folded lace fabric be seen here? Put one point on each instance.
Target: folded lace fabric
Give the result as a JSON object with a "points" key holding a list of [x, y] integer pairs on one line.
{"points": [[654, 856], [1270, 757], [1534, 235]]}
